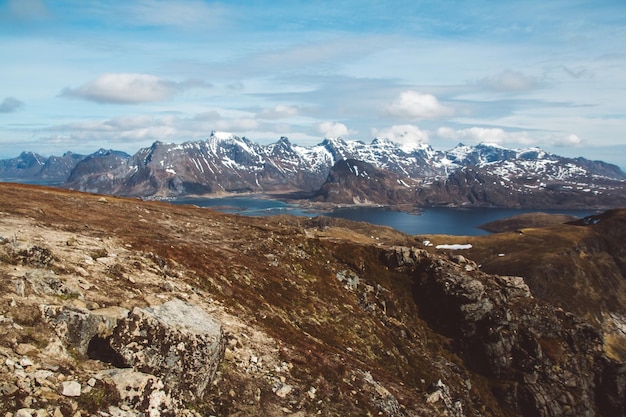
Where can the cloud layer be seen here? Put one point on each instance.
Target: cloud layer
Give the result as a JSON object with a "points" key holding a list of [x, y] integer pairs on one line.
{"points": [[416, 72], [129, 89], [509, 138]]}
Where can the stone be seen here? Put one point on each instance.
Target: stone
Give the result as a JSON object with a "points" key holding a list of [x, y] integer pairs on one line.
{"points": [[26, 362], [70, 389], [145, 393], [514, 287], [26, 349], [176, 341], [402, 256], [42, 377], [8, 389], [77, 326], [20, 287], [81, 271], [284, 390], [24, 412], [349, 278], [45, 281]]}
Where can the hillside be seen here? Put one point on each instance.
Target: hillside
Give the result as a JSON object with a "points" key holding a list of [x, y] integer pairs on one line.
{"points": [[579, 267], [526, 220], [113, 306]]}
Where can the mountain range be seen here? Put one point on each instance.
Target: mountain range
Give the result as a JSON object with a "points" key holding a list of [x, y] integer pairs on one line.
{"points": [[335, 171]]}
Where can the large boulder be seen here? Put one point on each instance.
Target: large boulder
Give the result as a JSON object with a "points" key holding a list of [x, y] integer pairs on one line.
{"points": [[176, 341], [78, 327]]}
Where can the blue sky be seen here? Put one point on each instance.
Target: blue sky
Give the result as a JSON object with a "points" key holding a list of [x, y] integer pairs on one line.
{"points": [[84, 75]]}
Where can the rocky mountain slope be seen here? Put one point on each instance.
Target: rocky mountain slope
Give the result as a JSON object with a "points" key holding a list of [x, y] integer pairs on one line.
{"points": [[31, 167], [112, 306], [482, 175], [356, 182]]}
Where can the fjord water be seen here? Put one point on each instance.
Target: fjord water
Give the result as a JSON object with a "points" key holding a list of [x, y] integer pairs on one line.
{"points": [[437, 220]]}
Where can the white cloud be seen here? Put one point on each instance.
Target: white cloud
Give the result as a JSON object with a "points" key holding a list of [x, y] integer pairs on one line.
{"points": [[130, 88], [415, 105], [334, 130], [502, 137], [404, 134], [10, 104], [509, 81], [278, 112]]}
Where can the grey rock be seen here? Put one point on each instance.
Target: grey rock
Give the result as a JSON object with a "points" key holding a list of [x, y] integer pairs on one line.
{"points": [[44, 281], [144, 392], [70, 389], [176, 341], [8, 389], [401, 256], [76, 327]]}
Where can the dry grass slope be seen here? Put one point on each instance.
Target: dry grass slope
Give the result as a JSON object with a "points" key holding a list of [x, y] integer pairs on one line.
{"points": [[317, 322]]}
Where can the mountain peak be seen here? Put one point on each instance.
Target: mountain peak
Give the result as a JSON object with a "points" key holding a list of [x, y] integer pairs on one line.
{"points": [[220, 136]]}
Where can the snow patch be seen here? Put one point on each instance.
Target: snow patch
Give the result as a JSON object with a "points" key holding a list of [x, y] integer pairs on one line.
{"points": [[455, 246]]}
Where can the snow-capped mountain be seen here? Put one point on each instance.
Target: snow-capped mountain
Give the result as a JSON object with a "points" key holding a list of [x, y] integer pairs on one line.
{"points": [[226, 163]]}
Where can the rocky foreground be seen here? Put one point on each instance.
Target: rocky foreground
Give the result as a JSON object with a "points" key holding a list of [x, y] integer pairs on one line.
{"points": [[118, 307]]}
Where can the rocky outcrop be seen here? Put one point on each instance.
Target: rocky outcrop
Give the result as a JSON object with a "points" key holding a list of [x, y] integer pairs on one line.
{"points": [[171, 349], [542, 356], [178, 342]]}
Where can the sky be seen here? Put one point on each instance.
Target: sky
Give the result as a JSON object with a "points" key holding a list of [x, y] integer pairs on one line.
{"points": [[83, 75]]}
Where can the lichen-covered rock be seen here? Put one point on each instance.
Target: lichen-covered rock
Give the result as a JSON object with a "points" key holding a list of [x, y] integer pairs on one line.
{"points": [[145, 393], [176, 341], [77, 327]]}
